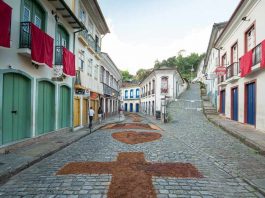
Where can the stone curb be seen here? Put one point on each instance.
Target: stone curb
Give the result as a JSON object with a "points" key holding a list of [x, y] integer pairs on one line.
{"points": [[247, 142], [259, 149], [5, 176]]}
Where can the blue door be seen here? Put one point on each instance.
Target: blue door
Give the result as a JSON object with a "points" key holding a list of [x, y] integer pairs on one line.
{"points": [[137, 107], [222, 102], [126, 107], [251, 103], [131, 107], [235, 104]]}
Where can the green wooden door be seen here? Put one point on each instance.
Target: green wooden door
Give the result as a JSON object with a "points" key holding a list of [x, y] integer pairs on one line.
{"points": [[64, 110], [16, 107], [46, 107]]}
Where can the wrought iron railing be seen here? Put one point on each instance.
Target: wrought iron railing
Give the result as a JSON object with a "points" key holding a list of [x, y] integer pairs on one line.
{"points": [[257, 54], [232, 70], [25, 35], [58, 55]]}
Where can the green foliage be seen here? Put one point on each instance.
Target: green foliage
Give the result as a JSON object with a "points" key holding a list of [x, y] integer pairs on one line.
{"points": [[126, 76], [141, 74], [183, 63]]}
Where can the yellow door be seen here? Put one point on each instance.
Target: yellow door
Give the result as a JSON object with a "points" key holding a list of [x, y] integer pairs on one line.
{"points": [[76, 111], [85, 111]]}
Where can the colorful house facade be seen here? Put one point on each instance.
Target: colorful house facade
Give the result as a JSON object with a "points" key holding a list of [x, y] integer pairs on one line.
{"points": [[36, 69], [242, 51]]}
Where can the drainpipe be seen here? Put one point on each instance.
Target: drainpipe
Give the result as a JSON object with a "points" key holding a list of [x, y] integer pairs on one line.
{"points": [[73, 81]]}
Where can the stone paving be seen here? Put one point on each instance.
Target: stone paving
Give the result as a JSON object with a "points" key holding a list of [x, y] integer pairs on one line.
{"points": [[189, 138]]}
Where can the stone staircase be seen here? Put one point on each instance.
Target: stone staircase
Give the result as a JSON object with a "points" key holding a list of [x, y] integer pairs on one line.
{"points": [[208, 108]]}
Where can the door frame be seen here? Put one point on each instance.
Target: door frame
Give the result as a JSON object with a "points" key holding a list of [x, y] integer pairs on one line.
{"points": [[16, 71], [232, 103], [71, 105], [36, 103], [245, 101], [221, 100]]}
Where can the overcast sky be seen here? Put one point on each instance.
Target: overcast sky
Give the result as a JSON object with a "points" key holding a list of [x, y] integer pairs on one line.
{"points": [[145, 30]]}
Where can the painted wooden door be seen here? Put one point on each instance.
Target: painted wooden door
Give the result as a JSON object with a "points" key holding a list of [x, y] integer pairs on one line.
{"points": [[251, 103], [131, 107], [64, 107], [137, 107], [222, 102], [235, 104], [16, 108], [126, 107], [46, 107], [77, 112], [85, 111]]}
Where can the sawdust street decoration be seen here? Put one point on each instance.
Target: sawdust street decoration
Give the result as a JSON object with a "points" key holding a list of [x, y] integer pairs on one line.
{"points": [[132, 126], [135, 117], [131, 174], [132, 137]]}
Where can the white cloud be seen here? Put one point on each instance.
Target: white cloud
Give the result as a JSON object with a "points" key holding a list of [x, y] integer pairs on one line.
{"points": [[130, 56]]}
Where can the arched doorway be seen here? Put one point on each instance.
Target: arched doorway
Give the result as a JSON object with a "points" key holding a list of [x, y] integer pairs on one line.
{"points": [[16, 107], [45, 107]]}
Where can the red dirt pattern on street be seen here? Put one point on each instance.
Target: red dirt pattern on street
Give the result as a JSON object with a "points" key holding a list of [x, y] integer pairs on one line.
{"points": [[131, 174], [132, 137]]}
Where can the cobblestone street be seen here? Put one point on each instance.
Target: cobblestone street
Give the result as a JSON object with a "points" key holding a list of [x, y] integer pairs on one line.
{"points": [[223, 161]]}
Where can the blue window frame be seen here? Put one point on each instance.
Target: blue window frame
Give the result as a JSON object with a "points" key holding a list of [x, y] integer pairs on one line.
{"points": [[131, 93], [126, 94], [137, 93]]}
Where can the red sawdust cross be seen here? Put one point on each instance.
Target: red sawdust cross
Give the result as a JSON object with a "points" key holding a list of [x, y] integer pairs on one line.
{"points": [[131, 174]]}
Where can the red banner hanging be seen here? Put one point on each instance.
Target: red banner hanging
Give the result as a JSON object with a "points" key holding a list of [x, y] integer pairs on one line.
{"points": [[5, 24], [68, 62], [262, 64], [246, 62], [41, 47]]}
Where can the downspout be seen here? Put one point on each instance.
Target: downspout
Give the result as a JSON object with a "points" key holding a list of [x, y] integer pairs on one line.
{"points": [[73, 81]]}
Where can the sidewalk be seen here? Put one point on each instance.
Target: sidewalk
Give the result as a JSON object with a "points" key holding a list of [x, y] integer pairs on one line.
{"points": [[19, 158], [245, 133]]}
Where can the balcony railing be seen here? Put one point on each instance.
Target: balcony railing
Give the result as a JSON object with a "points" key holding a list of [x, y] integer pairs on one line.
{"points": [[257, 54], [25, 35], [110, 91], [58, 55], [232, 70]]}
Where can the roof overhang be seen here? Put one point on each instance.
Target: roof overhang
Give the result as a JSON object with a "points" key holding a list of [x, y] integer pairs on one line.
{"points": [[97, 16], [68, 15]]}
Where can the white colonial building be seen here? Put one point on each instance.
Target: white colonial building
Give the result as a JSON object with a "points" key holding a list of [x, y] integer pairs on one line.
{"points": [[211, 61], [35, 90], [242, 50], [130, 97], [110, 78], [88, 86], [160, 84]]}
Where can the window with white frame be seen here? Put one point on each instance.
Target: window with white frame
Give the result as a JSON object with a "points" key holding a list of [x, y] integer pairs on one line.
{"points": [[89, 66], [81, 59], [250, 38]]}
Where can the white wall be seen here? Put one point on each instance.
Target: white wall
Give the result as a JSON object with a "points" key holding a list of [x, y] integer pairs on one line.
{"points": [[255, 13]]}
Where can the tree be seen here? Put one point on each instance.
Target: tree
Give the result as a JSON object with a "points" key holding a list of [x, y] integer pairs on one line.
{"points": [[141, 74], [126, 76]]}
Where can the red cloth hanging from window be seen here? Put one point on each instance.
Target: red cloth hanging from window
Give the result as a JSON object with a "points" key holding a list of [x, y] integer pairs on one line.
{"points": [[41, 47], [262, 63], [5, 24], [246, 63], [68, 62]]}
